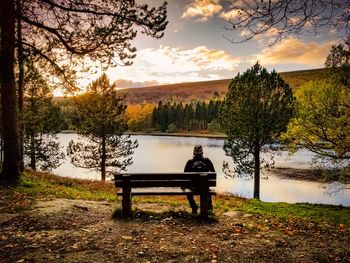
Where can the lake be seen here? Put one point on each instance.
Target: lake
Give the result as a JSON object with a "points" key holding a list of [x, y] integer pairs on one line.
{"points": [[169, 154]]}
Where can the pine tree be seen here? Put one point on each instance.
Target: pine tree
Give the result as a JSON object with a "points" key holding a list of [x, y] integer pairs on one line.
{"points": [[256, 109], [42, 122], [102, 123]]}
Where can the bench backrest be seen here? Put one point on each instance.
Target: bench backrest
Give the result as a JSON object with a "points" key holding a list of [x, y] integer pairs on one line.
{"points": [[186, 180]]}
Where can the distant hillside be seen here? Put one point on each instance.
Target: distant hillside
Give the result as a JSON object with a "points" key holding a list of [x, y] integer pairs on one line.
{"points": [[184, 92], [204, 90]]}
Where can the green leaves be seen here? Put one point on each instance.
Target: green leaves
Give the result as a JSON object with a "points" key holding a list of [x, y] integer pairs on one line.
{"points": [[255, 111], [42, 121], [322, 122], [101, 120]]}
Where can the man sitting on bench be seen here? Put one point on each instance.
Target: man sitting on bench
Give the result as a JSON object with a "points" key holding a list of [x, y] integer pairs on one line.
{"points": [[198, 164]]}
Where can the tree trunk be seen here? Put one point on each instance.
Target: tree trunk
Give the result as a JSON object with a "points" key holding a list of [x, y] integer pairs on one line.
{"points": [[20, 85], [257, 170], [10, 171], [32, 152], [103, 159]]}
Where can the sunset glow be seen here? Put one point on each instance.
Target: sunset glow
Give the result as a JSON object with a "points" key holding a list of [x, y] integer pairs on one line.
{"points": [[195, 48]]}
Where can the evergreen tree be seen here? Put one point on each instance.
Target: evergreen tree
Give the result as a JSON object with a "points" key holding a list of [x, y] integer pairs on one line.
{"points": [[42, 122], [256, 109], [102, 123]]}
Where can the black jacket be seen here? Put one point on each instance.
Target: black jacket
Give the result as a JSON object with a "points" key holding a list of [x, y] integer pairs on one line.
{"points": [[209, 165]]}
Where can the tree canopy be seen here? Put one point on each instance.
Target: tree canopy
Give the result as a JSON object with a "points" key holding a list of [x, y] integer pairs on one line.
{"points": [[101, 122], [338, 61], [42, 121], [282, 18], [256, 110], [66, 36], [63, 33], [339, 55], [322, 123]]}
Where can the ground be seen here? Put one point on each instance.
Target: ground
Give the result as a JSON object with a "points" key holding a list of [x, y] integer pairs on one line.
{"points": [[63, 230]]}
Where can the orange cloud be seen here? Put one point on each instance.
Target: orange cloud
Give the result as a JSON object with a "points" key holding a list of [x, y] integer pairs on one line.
{"points": [[230, 15], [295, 51], [202, 9]]}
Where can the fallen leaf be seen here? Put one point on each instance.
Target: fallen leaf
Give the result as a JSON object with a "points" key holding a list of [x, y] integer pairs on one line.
{"points": [[341, 228]]}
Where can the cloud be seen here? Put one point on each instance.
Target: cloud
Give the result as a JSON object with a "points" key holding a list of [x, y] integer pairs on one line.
{"points": [[202, 9], [173, 65], [170, 60], [125, 83], [229, 15], [295, 51]]}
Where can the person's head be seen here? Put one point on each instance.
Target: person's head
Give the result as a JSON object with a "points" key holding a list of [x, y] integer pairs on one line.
{"points": [[198, 151]]}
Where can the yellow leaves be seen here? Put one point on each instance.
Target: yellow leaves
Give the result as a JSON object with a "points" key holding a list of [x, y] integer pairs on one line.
{"points": [[127, 238], [138, 113], [322, 119], [341, 228]]}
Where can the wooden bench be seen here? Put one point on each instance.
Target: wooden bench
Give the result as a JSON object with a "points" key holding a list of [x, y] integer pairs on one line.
{"points": [[133, 184]]}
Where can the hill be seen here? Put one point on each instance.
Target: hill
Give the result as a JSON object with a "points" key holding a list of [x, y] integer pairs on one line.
{"points": [[202, 90], [205, 90]]}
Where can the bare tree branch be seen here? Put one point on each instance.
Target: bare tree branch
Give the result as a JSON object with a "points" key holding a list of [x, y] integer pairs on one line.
{"points": [[287, 17]]}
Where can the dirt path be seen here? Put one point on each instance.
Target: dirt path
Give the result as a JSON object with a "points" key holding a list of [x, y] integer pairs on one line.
{"points": [[63, 230]]}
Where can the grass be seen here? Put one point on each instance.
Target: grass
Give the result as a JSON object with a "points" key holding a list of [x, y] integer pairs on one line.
{"points": [[284, 211], [36, 185], [62, 187], [305, 211]]}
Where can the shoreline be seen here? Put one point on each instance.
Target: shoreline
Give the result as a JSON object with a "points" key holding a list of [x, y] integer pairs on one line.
{"points": [[305, 174], [175, 134], [179, 134]]}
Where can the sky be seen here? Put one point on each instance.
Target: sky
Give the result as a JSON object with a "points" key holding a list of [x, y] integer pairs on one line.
{"points": [[195, 48]]}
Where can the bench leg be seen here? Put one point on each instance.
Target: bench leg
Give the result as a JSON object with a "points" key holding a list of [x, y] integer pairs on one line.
{"points": [[204, 189], [204, 206], [126, 204]]}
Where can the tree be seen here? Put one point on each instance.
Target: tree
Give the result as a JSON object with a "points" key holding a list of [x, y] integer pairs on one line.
{"points": [[139, 116], [102, 123], [10, 168], [322, 121], [83, 31], [285, 17], [65, 35], [339, 55], [338, 61], [256, 109], [42, 121]]}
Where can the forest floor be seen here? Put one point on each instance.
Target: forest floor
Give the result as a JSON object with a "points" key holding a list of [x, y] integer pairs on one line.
{"points": [[45, 219]]}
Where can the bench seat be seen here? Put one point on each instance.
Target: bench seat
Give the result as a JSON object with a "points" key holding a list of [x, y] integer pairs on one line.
{"points": [[163, 191], [137, 184]]}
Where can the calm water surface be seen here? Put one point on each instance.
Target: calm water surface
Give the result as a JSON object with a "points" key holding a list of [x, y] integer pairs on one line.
{"points": [[169, 154]]}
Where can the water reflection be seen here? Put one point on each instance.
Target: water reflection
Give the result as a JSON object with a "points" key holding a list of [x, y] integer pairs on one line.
{"points": [[169, 154]]}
